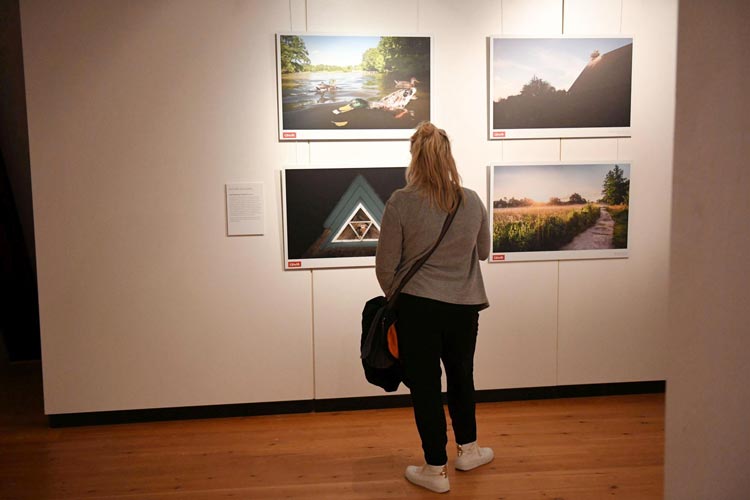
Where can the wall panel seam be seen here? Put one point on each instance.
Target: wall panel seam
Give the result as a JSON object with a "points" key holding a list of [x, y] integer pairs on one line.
{"points": [[562, 23], [312, 331], [557, 328]]}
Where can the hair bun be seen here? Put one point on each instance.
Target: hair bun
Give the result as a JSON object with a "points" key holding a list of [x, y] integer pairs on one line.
{"points": [[426, 129]]}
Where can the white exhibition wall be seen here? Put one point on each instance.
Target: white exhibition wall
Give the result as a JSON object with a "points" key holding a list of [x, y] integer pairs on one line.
{"points": [[707, 452], [140, 112]]}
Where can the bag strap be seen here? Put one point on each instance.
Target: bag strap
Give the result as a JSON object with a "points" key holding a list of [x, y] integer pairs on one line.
{"points": [[415, 267]]}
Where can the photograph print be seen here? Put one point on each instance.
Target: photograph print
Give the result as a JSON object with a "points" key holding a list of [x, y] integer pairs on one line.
{"points": [[352, 87], [559, 211], [332, 216], [560, 87]]}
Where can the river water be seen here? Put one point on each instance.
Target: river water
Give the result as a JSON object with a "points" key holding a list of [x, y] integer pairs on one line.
{"points": [[298, 90]]}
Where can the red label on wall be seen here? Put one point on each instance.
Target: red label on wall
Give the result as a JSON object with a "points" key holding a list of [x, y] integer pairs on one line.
{"points": [[498, 134], [294, 263], [289, 135], [498, 257]]}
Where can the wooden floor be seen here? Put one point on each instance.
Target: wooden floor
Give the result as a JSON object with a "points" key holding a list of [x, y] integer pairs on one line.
{"points": [[588, 448]]}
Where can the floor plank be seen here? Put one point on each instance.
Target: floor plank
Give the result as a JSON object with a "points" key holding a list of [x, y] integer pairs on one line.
{"points": [[585, 448]]}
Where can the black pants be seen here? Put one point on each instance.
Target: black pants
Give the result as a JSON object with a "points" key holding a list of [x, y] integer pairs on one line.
{"points": [[428, 331]]}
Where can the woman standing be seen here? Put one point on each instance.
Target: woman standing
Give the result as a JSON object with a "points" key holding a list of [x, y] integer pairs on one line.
{"points": [[438, 309]]}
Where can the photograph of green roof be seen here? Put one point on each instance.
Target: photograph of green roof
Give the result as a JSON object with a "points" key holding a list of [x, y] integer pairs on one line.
{"points": [[333, 215]]}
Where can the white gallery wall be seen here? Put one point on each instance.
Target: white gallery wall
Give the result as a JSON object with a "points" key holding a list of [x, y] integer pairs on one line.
{"points": [[139, 114], [707, 452]]}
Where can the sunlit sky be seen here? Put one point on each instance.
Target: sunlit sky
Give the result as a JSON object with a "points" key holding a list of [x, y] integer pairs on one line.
{"points": [[338, 50], [559, 61], [542, 182]]}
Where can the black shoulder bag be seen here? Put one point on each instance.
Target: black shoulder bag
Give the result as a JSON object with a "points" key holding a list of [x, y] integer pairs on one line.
{"points": [[379, 345]]}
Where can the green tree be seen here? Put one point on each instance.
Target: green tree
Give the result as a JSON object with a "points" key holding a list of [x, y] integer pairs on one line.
{"points": [[373, 60], [537, 87], [554, 201], [616, 187], [294, 54], [408, 56], [576, 199]]}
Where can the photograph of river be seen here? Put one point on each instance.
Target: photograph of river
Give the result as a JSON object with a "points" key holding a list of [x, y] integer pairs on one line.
{"points": [[352, 87], [559, 211], [560, 87]]}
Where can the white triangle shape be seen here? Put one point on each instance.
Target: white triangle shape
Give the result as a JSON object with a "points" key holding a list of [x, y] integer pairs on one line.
{"points": [[349, 223]]}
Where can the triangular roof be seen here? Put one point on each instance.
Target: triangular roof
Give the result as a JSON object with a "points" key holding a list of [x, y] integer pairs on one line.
{"points": [[359, 193], [613, 69], [361, 226]]}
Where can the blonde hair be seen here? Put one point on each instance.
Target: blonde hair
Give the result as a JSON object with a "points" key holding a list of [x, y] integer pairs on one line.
{"points": [[432, 170]]}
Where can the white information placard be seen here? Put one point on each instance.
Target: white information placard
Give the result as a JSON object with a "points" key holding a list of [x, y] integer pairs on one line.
{"points": [[245, 215]]}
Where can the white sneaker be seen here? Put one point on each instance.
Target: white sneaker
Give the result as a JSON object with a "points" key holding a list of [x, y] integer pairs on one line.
{"points": [[471, 456], [432, 477]]}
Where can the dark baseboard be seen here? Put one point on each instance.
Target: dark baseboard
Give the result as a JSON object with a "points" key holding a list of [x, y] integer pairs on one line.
{"points": [[571, 391], [180, 413], [365, 403], [344, 404], [499, 395]]}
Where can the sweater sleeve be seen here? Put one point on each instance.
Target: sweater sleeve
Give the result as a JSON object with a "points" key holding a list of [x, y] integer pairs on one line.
{"points": [[483, 238], [388, 254]]}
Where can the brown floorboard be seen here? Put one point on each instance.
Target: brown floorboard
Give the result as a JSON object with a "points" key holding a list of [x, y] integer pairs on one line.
{"points": [[585, 448]]}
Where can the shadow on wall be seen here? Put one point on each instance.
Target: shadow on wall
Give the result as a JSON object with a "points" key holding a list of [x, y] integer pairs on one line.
{"points": [[19, 309]]}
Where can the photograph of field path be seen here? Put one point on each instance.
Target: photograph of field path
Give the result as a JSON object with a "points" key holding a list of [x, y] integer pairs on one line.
{"points": [[560, 87], [343, 86], [559, 211]]}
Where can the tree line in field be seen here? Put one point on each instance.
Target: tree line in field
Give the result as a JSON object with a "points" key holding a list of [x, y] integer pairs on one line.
{"points": [[392, 55], [573, 199], [615, 191]]}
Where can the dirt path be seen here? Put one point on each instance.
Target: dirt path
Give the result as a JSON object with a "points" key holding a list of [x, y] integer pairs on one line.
{"points": [[597, 237]]}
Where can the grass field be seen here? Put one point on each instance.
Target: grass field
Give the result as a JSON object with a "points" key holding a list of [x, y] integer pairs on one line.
{"points": [[540, 227], [620, 215]]}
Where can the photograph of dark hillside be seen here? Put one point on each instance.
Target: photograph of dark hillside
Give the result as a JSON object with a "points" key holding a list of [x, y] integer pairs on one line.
{"points": [[560, 87], [332, 216], [342, 86]]}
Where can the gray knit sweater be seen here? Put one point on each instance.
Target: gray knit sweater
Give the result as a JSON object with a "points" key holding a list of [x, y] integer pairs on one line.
{"points": [[411, 226]]}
